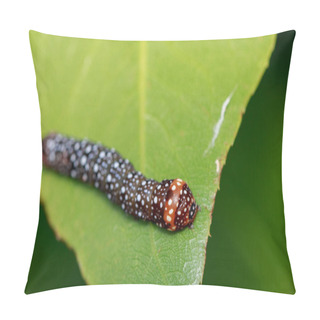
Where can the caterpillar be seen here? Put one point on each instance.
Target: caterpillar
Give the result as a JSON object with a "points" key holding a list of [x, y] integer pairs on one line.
{"points": [[169, 203]]}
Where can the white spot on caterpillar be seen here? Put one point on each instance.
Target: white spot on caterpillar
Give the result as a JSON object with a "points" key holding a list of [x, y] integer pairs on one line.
{"points": [[73, 158], [52, 157], [217, 126], [50, 144]]}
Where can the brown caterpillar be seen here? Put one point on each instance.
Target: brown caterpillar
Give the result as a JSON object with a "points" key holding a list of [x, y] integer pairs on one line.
{"points": [[169, 203]]}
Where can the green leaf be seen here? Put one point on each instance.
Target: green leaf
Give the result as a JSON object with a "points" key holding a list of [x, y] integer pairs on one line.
{"points": [[157, 103]]}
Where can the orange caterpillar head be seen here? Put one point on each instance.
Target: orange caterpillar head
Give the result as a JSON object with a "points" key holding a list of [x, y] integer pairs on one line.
{"points": [[180, 206]]}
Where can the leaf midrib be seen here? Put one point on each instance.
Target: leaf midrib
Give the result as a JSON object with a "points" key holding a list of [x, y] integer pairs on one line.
{"points": [[142, 79], [142, 99]]}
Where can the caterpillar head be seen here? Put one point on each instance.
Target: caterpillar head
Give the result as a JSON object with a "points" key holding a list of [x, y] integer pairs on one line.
{"points": [[180, 207]]}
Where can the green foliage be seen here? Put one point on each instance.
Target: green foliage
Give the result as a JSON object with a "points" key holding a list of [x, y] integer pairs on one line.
{"points": [[53, 264], [157, 104], [248, 246]]}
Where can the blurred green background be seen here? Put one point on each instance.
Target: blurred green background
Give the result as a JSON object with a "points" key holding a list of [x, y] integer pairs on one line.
{"points": [[53, 264], [247, 247]]}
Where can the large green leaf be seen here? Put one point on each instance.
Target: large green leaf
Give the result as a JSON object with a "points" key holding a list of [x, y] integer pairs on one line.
{"points": [[158, 104]]}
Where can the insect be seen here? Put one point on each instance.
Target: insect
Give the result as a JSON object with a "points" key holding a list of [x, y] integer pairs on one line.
{"points": [[169, 203]]}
